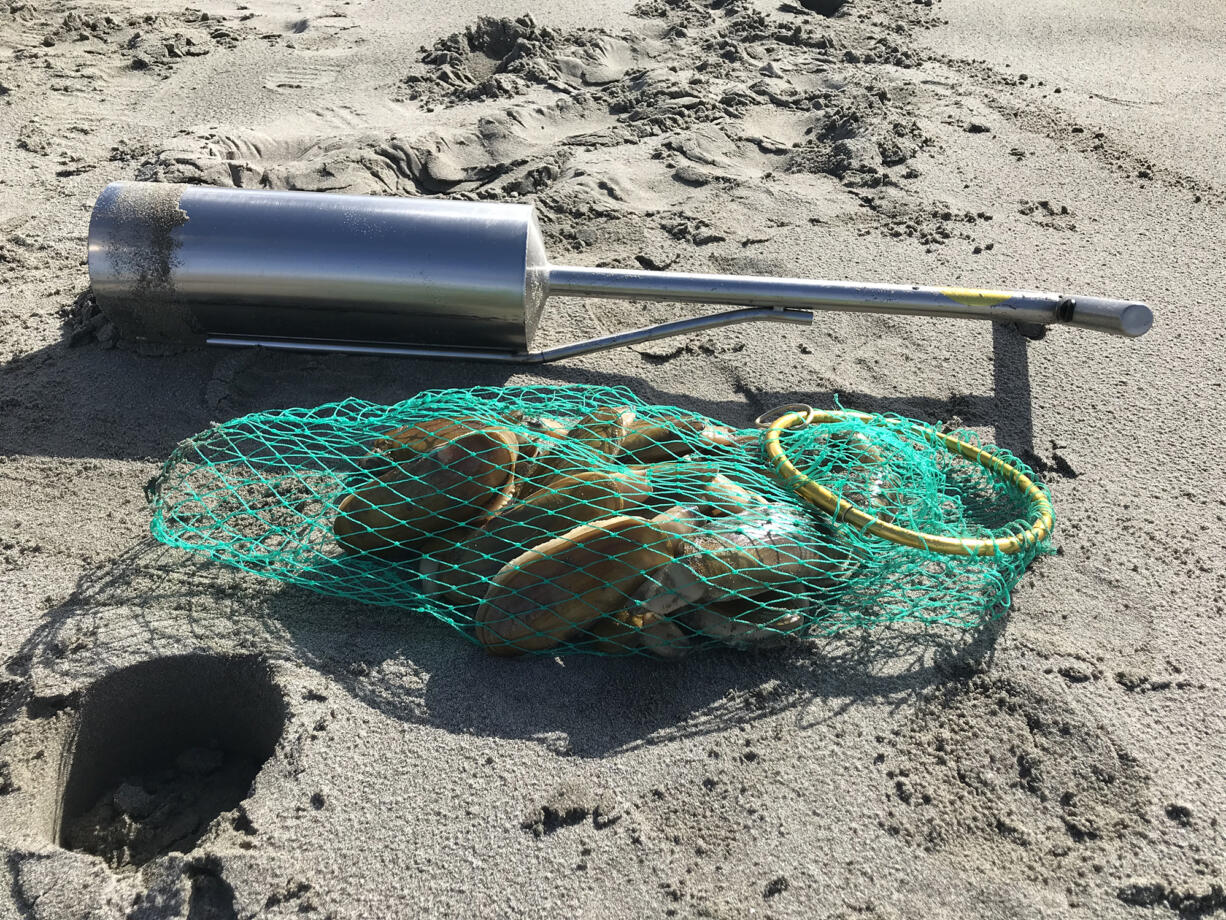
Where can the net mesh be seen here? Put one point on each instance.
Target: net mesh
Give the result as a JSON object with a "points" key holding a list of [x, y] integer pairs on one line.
{"points": [[581, 519]]}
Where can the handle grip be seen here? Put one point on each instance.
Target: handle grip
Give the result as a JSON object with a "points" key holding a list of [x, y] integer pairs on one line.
{"points": [[1102, 314]]}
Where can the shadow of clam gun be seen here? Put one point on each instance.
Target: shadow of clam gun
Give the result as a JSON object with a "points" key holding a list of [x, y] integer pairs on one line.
{"points": [[79, 398], [1007, 409], [131, 401], [154, 600]]}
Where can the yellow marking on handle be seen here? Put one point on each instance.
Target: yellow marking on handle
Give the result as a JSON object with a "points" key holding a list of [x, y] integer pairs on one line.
{"points": [[970, 297]]}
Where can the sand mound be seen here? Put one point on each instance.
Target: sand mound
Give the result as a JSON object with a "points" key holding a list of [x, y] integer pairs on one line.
{"points": [[690, 93]]}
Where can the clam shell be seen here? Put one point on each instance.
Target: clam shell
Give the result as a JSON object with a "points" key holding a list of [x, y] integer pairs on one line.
{"points": [[746, 555], [398, 447], [364, 522], [703, 485], [539, 472], [650, 442], [549, 427], [482, 459], [664, 639], [745, 623], [543, 596], [536, 437], [670, 438], [400, 444], [609, 635], [450, 485], [554, 456], [567, 502], [603, 430]]}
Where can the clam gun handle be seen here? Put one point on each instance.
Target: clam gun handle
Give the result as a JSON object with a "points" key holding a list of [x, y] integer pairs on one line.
{"points": [[1098, 314]]}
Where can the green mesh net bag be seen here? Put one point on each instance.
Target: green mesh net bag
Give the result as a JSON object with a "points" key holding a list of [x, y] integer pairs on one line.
{"points": [[581, 519]]}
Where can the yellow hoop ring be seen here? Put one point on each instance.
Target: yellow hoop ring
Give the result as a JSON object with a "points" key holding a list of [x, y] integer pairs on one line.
{"points": [[854, 515]]}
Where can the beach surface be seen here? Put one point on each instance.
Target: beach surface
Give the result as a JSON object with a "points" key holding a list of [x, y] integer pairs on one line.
{"points": [[284, 754]]}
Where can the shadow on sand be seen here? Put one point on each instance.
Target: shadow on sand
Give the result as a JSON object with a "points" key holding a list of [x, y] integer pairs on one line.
{"points": [[148, 603], [137, 403]]}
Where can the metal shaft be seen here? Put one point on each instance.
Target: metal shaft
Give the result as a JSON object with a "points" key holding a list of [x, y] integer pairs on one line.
{"points": [[603, 343], [1119, 317]]}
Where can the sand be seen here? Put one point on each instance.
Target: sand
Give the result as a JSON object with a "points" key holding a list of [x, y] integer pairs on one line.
{"points": [[1062, 761]]}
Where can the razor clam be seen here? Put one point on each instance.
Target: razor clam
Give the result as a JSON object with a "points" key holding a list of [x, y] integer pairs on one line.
{"points": [[622, 630], [567, 502], [635, 626], [664, 639], [610, 635], [403, 445], [652, 600], [670, 438], [544, 426], [746, 623], [535, 436], [450, 485], [699, 484], [543, 596], [600, 431], [745, 555], [553, 463], [603, 430], [420, 437]]}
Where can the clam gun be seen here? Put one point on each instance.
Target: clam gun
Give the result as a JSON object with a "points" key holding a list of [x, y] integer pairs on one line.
{"points": [[421, 277]]}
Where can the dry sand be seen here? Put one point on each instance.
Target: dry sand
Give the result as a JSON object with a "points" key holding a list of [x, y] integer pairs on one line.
{"points": [[1064, 761]]}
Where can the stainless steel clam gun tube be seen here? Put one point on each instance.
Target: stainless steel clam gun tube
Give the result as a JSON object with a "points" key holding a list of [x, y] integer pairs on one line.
{"points": [[439, 278]]}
